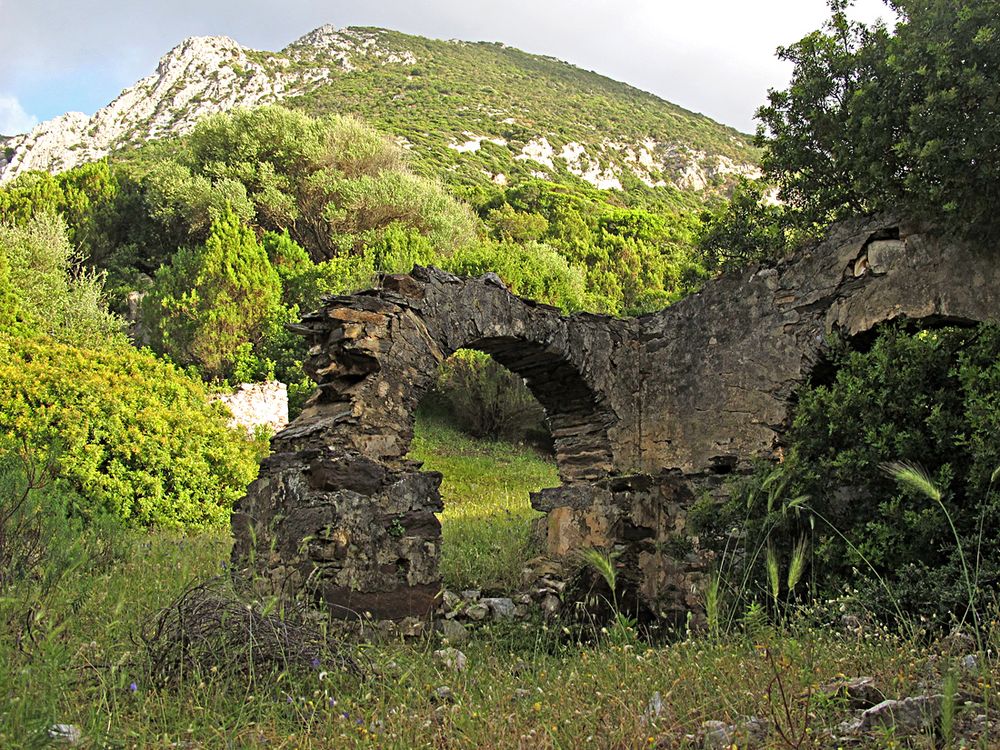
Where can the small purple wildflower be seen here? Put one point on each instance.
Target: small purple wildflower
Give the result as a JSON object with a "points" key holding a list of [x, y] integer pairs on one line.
{"points": [[332, 702], [289, 699], [315, 662], [132, 687]]}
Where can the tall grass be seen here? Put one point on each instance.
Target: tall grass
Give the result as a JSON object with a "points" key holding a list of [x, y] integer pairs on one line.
{"points": [[518, 690], [737, 590], [916, 477], [622, 628]]}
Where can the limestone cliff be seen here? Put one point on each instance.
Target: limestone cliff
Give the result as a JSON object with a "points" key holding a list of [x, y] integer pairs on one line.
{"points": [[198, 77]]}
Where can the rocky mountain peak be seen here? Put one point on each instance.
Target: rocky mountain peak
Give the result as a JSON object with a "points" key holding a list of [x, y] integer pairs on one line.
{"points": [[200, 46], [329, 37], [347, 47], [200, 76]]}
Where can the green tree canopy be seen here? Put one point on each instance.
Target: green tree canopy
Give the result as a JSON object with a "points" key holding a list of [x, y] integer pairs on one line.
{"points": [[334, 184], [929, 397], [879, 120], [747, 229], [43, 286]]}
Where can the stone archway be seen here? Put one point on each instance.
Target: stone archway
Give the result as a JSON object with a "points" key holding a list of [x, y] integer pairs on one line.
{"points": [[578, 421], [647, 413], [339, 509], [376, 353]]}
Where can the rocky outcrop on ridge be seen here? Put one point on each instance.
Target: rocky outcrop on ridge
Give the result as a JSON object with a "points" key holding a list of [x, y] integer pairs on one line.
{"points": [[198, 77], [658, 144]]}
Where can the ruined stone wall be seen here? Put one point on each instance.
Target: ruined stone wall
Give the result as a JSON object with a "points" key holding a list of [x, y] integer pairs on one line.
{"points": [[375, 354], [719, 367], [646, 414]]}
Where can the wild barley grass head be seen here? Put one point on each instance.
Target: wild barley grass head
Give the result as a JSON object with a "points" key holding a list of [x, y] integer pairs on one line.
{"points": [[915, 477], [797, 565]]}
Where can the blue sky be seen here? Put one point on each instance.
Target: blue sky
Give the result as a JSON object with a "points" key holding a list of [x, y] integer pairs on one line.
{"points": [[710, 56]]}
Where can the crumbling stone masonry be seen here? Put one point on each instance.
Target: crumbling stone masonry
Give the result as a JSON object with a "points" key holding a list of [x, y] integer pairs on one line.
{"points": [[646, 413]]}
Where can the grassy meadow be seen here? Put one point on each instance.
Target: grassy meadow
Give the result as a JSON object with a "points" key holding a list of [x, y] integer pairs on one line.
{"points": [[72, 654], [488, 522]]}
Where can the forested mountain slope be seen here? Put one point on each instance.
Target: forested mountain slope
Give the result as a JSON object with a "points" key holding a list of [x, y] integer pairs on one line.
{"points": [[470, 113]]}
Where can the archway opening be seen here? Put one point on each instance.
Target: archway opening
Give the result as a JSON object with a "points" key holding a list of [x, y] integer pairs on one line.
{"points": [[480, 426]]}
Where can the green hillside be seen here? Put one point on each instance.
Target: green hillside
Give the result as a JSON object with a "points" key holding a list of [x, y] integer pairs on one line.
{"points": [[476, 115], [458, 91]]}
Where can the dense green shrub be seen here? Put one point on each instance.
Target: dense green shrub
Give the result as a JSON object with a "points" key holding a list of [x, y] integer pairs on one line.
{"points": [[399, 247], [82, 197], [335, 184], [930, 398], [632, 260], [42, 287], [8, 300], [138, 439], [214, 302], [531, 270]]}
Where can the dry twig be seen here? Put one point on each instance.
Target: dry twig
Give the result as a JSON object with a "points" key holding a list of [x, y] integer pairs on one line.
{"points": [[208, 626]]}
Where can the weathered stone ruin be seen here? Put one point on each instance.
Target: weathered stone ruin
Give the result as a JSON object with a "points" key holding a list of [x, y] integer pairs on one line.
{"points": [[647, 414]]}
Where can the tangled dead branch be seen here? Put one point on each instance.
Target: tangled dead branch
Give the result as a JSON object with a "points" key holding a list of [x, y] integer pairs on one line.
{"points": [[209, 628]]}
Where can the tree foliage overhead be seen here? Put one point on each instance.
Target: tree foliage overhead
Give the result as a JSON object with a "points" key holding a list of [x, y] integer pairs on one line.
{"points": [[877, 119]]}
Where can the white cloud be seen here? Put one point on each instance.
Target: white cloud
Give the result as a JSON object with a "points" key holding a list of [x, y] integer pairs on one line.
{"points": [[13, 119]]}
